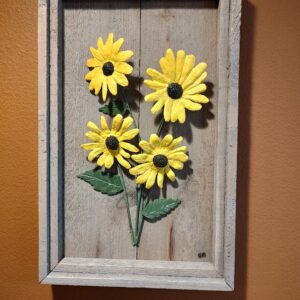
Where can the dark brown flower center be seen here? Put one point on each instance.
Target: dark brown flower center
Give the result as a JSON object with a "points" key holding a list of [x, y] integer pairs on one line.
{"points": [[175, 90], [112, 143], [108, 68], [160, 161]]}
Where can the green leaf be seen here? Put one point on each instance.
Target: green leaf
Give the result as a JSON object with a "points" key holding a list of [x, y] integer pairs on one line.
{"points": [[103, 182], [160, 208], [114, 108]]}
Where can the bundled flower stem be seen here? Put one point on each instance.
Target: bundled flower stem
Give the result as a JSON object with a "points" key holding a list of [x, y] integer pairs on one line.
{"points": [[176, 89]]}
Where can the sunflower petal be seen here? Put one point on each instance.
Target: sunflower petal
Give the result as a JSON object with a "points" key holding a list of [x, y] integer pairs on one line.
{"points": [[190, 105], [93, 62], [112, 86], [175, 142], [104, 89], [156, 85], [89, 146], [194, 74], [179, 149], [174, 116], [180, 156], [170, 58], [156, 75], [109, 41], [179, 64], [100, 43], [92, 84], [154, 140], [129, 135], [181, 112], [129, 147], [117, 45], [96, 53], [124, 68], [198, 80], [120, 78], [143, 177], [168, 70], [168, 109], [151, 179], [92, 136], [188, 65], [146, 146], [101, 159], [195, 90], [139, 169], [160, 178], [124, 153], [90, 75], [197, 98], [91, 125], [124, 55], [93, 154], [141, 158], [123, 162], [109, 161], [158, 105], [170, 173], [116, 123], [103, 123], [98, 83], [156, 95], [127, 122], [167, 140], [176, 164]]}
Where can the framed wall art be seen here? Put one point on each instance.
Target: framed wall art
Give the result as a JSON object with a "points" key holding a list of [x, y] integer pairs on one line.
{"points": [[138, 110]]}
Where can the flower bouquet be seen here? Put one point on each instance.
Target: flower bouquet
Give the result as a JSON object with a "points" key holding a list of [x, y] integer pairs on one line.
{"points": [[177, 88]]}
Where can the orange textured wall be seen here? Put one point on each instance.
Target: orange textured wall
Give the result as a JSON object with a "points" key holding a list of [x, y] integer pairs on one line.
{"points": [[268, 237]]}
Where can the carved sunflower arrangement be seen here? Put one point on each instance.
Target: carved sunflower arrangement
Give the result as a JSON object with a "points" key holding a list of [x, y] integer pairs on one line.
{"points": [[176, 88]]}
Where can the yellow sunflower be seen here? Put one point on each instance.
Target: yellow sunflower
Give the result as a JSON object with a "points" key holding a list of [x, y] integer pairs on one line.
{"points": [[109, 144], [158, 159], [109, 66], [178, 87]]}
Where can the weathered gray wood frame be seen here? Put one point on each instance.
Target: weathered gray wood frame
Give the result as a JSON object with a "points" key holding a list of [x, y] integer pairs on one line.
{"points": [[54, 268]]}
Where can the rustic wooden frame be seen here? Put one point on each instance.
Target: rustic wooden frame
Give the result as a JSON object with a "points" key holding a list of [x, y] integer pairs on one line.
{"points": [[54, 268]]}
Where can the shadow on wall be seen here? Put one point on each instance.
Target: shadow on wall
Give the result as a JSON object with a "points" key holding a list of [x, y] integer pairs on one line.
{"points": [[76, 293]]}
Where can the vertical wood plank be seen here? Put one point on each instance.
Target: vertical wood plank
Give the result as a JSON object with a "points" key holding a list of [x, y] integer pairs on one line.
{"points": [[221, 132], [95, 225], [56, 133], [43, 140], [232, 134], [191, 26]]}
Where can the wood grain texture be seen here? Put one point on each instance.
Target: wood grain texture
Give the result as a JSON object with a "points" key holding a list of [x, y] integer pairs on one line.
{"points": [[90, 230], [137, 281], [56, 151], [138, 267], [96, 225], [43, 141], [188, 230]]}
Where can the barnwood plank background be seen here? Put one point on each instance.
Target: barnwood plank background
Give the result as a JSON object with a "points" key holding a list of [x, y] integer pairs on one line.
{"points": [[96, 225], [191, 26]]}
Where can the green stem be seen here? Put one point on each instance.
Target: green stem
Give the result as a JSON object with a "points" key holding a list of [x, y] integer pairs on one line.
{"points": [[137, 210], [141, 218], [141, 195], [127, 205], [160, 126], [128, 107]]}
